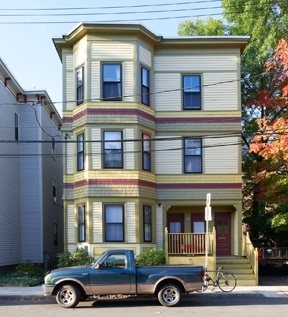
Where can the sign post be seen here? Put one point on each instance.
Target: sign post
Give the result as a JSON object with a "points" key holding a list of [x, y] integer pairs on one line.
{"points": [[207, 219]]}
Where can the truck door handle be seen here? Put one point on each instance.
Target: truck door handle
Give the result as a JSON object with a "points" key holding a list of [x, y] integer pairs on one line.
{"points": [[84, 274]]}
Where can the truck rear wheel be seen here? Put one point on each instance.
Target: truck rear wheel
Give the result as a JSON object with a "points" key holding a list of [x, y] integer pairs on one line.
{"points": [[169, 295], [68, 296]]}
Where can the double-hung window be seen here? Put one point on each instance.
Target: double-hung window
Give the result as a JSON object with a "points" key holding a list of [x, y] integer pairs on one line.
{"points": [[80, 85], [55, 234], [16, 125], [192, 156], [113, 152], [145, 86], [114, 223], [80, 152], [191, 92], [112, 82], [146, 153], [54, 190], [147, 221], [81, 224], [53, 146]]}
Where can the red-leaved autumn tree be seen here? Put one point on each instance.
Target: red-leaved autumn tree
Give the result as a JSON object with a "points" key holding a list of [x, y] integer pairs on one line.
{"points": [[270, 143]]}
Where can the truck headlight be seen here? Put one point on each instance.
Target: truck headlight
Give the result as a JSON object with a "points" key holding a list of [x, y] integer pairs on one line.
{"points": [[47, 278]]}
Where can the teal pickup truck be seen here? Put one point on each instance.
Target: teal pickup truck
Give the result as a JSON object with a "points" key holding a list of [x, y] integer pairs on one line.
{"points": [[115, 272]]}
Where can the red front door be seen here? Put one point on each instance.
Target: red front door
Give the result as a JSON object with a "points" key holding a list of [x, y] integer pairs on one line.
{"points": [[223, 233]]}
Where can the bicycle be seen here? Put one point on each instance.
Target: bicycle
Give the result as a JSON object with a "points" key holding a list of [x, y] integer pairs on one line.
{"points": [[226, 281]]}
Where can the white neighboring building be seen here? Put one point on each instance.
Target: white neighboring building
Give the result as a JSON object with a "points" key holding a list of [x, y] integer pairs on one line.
{"points": [[31, 168]]}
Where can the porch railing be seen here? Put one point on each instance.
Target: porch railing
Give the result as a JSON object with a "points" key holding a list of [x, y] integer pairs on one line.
{"points": [[251, 253], [188, 243]]}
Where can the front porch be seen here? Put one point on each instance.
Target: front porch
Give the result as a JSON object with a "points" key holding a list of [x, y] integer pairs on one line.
{"points": [[190, 248]]}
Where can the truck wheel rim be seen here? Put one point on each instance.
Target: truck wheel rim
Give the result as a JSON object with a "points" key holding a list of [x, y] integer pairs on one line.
{"points": [[66, 296], [170, 295]]}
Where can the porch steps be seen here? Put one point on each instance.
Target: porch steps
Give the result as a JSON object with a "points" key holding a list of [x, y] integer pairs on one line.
{"points": [[240, 267]]}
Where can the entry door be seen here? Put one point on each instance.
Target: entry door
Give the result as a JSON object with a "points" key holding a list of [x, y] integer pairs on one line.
{"points": [[175, 224], [223, 233]]}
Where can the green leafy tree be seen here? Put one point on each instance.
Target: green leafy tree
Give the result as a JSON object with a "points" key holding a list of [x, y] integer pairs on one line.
{"points": [[207, 27]]}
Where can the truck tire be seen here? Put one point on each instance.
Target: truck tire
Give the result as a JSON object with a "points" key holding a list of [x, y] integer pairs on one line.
{"points": [[68, 296], [169, 295]]}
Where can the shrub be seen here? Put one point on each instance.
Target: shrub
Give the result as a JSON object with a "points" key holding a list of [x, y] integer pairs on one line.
{"points": [[79, 257], [29, 268], [151, 257]]}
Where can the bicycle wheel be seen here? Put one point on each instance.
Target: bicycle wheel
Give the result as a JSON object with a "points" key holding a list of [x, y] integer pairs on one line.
{"points": [[227, 282]]}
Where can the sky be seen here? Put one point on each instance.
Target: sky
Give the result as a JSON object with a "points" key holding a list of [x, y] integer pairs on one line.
{"points": [[28, 27]]}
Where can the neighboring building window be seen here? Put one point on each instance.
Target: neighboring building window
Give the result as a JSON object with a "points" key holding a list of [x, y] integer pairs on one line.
{"points": [[80, 152], [145, 90], [16, 124], [146, 153], [113, 153], [147, 221], [53, 146], [191, 92], [114, 223], [54, 189], [55, 234], [81, 224], [192, 156], [80, 85], [112, 86]]}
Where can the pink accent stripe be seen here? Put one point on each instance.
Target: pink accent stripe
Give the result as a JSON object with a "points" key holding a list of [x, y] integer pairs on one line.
{"points": [[137, 182], [200, 186], [110, 182], [112, 112]]}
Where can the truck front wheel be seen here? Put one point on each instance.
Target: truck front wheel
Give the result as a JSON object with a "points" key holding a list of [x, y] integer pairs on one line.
{"points": [[169, 295], [68, 296]]}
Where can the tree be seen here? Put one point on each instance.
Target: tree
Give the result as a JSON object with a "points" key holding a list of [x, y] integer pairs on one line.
{"points": [[208, 27], [271, 142]]}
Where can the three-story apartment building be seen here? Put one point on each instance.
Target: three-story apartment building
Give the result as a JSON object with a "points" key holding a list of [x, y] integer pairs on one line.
{"points": [[153, 124], [31, 169]]}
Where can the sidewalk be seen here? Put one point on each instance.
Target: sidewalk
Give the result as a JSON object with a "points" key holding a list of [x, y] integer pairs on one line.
{"points": [[35, 292]]}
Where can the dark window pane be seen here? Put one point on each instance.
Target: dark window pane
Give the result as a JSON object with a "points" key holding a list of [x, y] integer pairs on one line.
{"points": [[191, 92], [79, 86], [113, 153], [112, 88], [193, 164], [145, 87], [114, 223], [80, 152], [81, 224], [112, 91], [147, 223]]}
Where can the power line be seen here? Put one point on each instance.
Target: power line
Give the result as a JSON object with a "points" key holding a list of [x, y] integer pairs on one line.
{"points": [[107, 13], [111, 7], [151, 93]]}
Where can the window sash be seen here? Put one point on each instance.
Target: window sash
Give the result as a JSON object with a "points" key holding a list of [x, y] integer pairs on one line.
{"points": [[55, 234], [147, 222], [145, 86], [112, 82], [80, 152], [191, 92], [80, 85], [16, 125], [146, 155], [81, 224], [113, 149], [192, 156], [114, 223]]}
